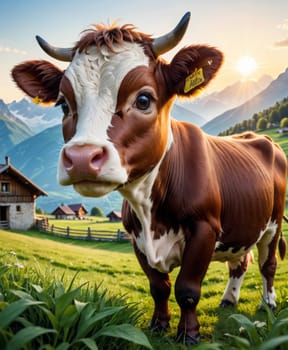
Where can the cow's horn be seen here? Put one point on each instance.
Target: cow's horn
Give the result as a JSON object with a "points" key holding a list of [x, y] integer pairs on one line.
{"points": [[168, 41], [61, 54]]}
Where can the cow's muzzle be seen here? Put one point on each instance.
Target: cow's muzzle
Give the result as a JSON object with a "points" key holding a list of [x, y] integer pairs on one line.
{"points": [[83, 162]]}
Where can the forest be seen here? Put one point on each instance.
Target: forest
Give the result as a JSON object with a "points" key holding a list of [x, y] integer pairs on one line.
{"points": [[275, 116]]}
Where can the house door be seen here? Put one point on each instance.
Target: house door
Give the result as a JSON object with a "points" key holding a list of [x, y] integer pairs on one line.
{"points": [[4, 216]]}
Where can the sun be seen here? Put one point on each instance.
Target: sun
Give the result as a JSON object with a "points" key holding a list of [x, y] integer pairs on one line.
{"points": [[246, 65]]}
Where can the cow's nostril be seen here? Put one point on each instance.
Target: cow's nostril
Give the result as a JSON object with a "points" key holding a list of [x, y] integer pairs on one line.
{"points": [[67, 162], [98, 158]]}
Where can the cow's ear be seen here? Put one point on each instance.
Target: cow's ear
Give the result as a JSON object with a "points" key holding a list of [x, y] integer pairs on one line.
{"points": [[192, 68], [38, 79]]}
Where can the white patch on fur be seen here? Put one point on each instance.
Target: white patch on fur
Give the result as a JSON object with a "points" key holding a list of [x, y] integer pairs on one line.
{"points": [[96, 77], [269, 297], [228, 255], [265, 238], [232, 291], [166, 252]]}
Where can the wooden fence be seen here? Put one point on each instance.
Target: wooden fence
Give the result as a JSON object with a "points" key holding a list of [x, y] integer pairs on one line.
{"points": [[89, 235]]}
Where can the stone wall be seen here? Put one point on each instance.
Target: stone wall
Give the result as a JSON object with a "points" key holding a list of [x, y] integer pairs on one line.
{"points": [[21, 216]]}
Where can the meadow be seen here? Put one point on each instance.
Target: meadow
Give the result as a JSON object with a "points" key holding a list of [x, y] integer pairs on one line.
{"points": [[113, 268]]}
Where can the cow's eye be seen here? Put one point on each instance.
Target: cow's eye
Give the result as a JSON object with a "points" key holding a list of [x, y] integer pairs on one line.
{"points": [[143, 101], [65, 107]]}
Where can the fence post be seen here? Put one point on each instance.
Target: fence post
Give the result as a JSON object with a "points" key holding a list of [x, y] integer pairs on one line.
{"points": [[119, 235], [68, 231], [52, 228], [89, 233]]}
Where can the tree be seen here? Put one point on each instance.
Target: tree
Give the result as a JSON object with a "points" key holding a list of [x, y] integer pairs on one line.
{"points": [[261, 124], [95, 211], [274, 117], [39, 211], [284, 123]]}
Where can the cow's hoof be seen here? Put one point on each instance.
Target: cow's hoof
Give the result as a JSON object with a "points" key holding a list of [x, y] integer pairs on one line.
{"points": [[159, 327], [263, 306], [226, 303], [187, 339]]}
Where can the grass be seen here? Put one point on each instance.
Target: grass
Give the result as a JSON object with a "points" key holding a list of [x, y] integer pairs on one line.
{"points": [[95, 223], [113, 267]]}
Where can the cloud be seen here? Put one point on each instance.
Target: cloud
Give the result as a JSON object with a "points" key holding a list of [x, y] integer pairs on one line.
{"points": [[12, 50], [281, 43], [284, 25]]}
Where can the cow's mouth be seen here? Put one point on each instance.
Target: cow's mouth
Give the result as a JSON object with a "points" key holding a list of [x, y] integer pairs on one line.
{"points": [[89, 188]]}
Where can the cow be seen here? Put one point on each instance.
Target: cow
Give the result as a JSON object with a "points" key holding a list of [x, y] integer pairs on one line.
{"points": [[189, 197]]}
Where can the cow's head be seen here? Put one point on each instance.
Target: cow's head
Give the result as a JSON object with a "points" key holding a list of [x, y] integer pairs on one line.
{"points": [[116, 95]]}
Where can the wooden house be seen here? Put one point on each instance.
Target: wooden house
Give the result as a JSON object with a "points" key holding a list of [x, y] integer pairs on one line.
{"points": [[79, 210], [63, 212], [114, 216], [70, 211], [17, 198]]}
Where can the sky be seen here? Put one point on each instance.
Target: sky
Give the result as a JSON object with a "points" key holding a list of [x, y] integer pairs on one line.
{"points": [[254, 28]]}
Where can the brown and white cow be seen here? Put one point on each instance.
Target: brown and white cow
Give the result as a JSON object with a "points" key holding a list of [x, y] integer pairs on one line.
{"points": [[190, 198]]}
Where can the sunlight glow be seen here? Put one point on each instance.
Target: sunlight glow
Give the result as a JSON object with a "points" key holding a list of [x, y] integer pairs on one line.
{"points": [[246, 65]]}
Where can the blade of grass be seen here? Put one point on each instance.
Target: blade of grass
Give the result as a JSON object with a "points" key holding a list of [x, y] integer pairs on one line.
{"points": [[127, 332], [25, 335], [274, 343], [12, 311]]}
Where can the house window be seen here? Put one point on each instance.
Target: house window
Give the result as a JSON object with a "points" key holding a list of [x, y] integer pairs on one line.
{"points": [[18, 208], [5, 187]]}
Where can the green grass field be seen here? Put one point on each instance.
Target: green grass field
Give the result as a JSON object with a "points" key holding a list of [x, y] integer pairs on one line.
{"points": [[113, 266], [95, 223]]}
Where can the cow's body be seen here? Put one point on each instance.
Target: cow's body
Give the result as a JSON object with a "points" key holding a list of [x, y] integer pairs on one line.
{"points": [[189, 198]]}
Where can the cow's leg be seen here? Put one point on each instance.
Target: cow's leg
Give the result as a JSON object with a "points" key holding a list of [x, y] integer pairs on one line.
{"points": [[268, 262], [237, 271], [160, 288], [196, 258]]}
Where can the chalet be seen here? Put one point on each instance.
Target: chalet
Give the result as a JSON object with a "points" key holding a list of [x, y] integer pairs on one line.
{"points": [[63, 212], [70, 211], [79, 210], [114, 216], [17, 198]]}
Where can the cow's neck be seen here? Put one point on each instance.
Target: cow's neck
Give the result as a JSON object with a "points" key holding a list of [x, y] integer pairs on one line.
{"points": [[139, 195]]}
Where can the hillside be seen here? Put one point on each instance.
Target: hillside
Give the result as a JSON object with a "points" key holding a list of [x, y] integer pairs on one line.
{"points": [[37, 158], [276, 91], [12, 130], [179, 112], [232, 96]]}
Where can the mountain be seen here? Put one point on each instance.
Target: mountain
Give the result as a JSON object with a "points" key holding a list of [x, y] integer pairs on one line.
{"points": [[36, 116], [12, 130], [276, 91], [179, 112], [37, 158], [230, 97]]}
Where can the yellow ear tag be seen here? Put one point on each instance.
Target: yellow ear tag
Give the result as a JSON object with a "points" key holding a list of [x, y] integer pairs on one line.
{"points": [[37, 100], [194, 79]]}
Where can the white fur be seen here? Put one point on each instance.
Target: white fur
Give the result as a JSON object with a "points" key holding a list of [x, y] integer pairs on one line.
{"points": [[268, 297], [232, 291], [228, 255], [96, 77], [265, 238]]}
